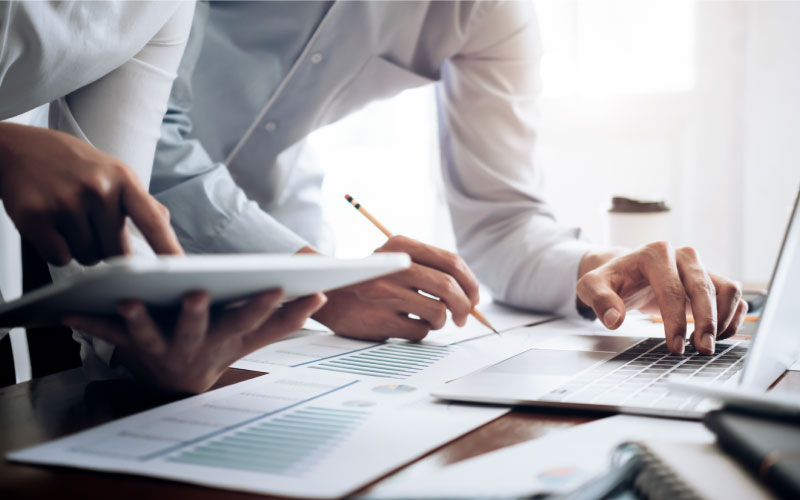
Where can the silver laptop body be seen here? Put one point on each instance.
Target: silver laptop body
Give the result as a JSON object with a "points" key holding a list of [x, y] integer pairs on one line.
{"points": [[629, 374]]}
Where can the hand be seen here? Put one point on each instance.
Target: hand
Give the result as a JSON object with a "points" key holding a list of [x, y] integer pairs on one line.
{"points": [[379, 309], [201, 345], [70, 200], [659, 279]]}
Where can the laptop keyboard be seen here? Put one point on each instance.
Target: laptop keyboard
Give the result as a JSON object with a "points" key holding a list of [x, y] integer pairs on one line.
{"points": [[638, 376]]}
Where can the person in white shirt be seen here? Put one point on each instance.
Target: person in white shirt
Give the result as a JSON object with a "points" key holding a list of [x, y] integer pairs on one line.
{"points": [[258, 77], [107, 69]]}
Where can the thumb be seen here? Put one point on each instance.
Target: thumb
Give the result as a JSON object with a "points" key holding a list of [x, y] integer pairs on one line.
{"points": [[594, 290]]}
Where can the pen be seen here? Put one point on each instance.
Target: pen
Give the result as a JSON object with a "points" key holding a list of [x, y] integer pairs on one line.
{"points": [[475, 313]]}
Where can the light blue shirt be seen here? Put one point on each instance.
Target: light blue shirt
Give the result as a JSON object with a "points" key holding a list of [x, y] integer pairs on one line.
{"points": [[258, 77]]}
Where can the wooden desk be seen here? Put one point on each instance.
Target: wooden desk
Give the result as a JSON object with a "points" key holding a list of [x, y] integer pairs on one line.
{"points": [[61, 404]]}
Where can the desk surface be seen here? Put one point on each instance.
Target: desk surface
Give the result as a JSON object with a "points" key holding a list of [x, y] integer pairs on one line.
{"points": [[61, 404]]}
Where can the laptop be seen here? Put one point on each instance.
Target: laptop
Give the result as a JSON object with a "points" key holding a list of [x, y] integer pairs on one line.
{"points": [[634, 374]]}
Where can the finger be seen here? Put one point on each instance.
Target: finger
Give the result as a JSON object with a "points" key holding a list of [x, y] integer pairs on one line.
{"points": [[145, 334], [596, 289], [394, 325], [444, 261], [108, 223], [657, 264], [49, 243], [192, 324], [289, 318], [248, 317], [729, 295], [432, 311], [109, 329], [77, 232], [702, 296], [736, 321], [151, 217], [438, 284]]}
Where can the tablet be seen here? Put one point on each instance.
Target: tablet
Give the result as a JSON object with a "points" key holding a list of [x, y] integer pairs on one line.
{"points": [[161, 282]]}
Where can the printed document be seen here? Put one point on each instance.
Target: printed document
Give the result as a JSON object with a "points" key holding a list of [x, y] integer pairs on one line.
{"points": [[321, 435]]}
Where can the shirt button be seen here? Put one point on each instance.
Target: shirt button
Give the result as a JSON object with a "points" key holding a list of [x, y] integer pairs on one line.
{"points": [[270, 126], [316, 58]]}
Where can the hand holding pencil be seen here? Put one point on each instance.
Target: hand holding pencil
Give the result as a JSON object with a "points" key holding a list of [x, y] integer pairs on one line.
{"points": [[474, 312], [407, 304]]}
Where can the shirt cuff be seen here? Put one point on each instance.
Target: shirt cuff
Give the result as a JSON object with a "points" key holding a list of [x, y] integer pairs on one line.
{"points": [[253, 231], [552, 280]]}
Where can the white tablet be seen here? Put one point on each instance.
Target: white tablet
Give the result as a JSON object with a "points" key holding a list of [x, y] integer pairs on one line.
{"points": [[162, 281]]}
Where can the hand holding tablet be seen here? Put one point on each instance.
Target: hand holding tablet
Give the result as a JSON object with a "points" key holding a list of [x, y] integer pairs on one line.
{"points": [[178, 322]]}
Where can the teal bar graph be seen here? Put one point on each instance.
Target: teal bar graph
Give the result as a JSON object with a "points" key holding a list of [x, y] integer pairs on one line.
{"points": [[397, 361], [287, 445]]}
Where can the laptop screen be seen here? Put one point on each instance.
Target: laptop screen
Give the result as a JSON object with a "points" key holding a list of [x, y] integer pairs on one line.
{"points": [[776, 345]]}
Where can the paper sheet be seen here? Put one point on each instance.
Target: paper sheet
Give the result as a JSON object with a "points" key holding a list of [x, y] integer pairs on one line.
{"points": [[320, 435], [557, 462], [502, 317], [396, 360]]}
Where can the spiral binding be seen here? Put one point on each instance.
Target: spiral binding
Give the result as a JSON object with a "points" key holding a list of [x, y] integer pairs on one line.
{"points": [[656, 480]]}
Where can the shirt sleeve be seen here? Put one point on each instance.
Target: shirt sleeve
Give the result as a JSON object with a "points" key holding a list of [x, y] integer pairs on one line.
{"points": [[120, 114], [209, 211], [49, 49], [488, 125]]}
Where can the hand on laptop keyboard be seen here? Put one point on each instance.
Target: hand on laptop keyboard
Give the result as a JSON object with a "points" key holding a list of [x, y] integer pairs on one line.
{"points": [[657, 278]]}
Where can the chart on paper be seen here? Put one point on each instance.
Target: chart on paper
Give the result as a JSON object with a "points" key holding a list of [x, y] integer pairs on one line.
{"points": [[164, 434], [398, 361], [276, 434], [288, 445], [331, 353]]}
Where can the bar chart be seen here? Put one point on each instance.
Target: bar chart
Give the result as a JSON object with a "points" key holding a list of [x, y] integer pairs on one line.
{"points": [[398, 361]]}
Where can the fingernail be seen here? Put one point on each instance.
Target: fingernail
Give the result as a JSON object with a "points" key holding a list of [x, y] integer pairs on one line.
{"points": [[708, 342], [678, 345], [610, 317]]}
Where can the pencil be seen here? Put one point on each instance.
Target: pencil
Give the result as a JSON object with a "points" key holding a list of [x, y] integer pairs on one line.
{"points": [[475, 312]]}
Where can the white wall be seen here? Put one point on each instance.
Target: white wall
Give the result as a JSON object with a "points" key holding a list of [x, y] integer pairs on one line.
{"points": [[694, 102]]}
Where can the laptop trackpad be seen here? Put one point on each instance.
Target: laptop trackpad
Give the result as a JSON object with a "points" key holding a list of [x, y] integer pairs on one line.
{"points": [[549, 362]]}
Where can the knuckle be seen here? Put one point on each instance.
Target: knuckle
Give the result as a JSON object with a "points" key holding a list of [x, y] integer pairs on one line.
{"points": [[163, 210], [375, 290], [744, 308], [734, 290], [454, 262], [703, 285], [418, 333], [659, 250], [449, 286], [688, 253], [439, 317], [674, 292], [397, 241]]}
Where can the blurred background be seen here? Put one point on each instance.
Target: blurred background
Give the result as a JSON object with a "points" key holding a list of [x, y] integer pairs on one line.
{"points": [[693, 102]]}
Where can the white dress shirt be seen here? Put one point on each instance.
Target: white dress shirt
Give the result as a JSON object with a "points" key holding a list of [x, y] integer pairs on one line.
{"points": [[259, 77]]}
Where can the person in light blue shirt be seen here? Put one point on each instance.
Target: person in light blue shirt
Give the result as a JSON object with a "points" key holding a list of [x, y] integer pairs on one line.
{"points": [[258, 78]]}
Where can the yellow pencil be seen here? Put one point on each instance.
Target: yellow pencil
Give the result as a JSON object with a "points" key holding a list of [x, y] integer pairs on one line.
{"points": [[475, 312]]}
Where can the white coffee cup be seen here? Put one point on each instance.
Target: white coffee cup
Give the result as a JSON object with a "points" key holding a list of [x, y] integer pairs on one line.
{"points": [[632, 223]]}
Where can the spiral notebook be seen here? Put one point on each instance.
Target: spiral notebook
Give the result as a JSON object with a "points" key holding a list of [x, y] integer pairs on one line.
{"points": [[689, 471]]}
